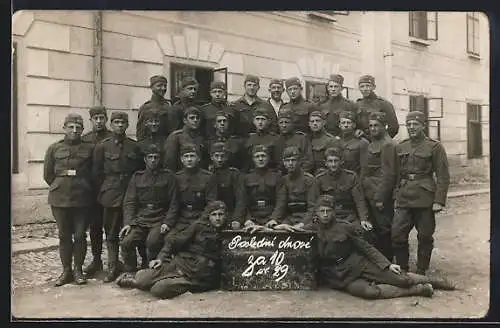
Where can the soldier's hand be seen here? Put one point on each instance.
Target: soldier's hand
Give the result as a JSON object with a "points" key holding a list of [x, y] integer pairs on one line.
{"points": [[366, 225], [164, 228], [155, 264], [379, 205], [395, 268], [284, 227], [358, 133], [271, 224], [235, 225], [124, 231], [299, 227], [249, 223], [437, 207]]}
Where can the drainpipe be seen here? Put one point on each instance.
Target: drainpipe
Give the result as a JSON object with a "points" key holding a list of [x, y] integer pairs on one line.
{"points": [[388, 54], [97, 52]]}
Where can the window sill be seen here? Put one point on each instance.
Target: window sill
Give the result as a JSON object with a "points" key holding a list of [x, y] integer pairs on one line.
{"points": [[419, 41], [474, 56]]}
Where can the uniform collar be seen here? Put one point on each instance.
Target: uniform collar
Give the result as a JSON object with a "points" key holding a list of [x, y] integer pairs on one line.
{"points": [[371, 96], [72, 142], [297, 101]]}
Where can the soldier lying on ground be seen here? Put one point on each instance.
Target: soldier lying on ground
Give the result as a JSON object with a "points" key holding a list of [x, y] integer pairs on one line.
{"points": [[195, 265], [348, 263]]}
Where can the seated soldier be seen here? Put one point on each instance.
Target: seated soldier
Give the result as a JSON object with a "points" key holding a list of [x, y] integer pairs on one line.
{"points": [[261, 191], [348, 263], [229, 186], [320, 140], [262, 136], [234, 144], [195, 265], [149, 209], [298, 206]]}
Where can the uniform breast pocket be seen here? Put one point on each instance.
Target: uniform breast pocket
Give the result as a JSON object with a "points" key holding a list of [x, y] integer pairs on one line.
{"points": [[403, 158], [328, 190], [111, 156], [351, 153], [373, 157], [144, 193], [198, 193], [61, 154], [423, 161]]}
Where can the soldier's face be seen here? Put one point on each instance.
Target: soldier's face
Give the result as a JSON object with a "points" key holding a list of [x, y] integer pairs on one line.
{"points": [[159, 88], [119, 126], [260, 160], [219, 159], [190, 160], [218, 95], [366, 88], [73, 131], [290, 163], [333, 163], [415, 128], [346, 125], [285, 125], [251, 88], [316, 123], [152, 161], [192, 121], [221, 124], [190, 91], [153, 124], [294, 91], [376, 128], [325, 214], [276, 90], [217, 218], [260, 122], [334, 89], [99, 122]]}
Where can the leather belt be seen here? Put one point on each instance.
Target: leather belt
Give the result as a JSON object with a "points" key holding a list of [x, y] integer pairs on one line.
{"points": [[415, 176], [67, 173]]}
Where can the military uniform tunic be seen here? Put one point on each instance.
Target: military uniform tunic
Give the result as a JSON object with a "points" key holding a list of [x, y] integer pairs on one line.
{"points": [[298, 139], [265, 138], [95, 137], [332, 107], [374, 103], [246, 111], [178, 108], [209, 112], [235, 147], [230, 191], [174, 143], [300, 109], [319, 143], [354, 152], [167, 116]]}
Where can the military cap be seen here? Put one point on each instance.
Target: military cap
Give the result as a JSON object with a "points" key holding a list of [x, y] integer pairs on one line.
{"points": [[192, 110], [189, 148], [97, 110], [217, 85], [291, 151], [416, 116], [275, 81], [187, 81], [251, 78], [337, 78], [152, 149], [326, 200], [348, 114], [260, 149], [333, 151], [151, 114], [317, 113], [218, 147], [285, 114], [214, 206], [378, 116], [292, 81], [367, 79], [222, 113], [157, 78], [119, 115], [261, 112], [73, 118]]}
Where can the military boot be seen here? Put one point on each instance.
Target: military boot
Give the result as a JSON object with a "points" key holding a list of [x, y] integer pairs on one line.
{"points": [[390, 291], [113, 265], [126, 280], [424, 252], [94, 267], [66, 255], [79, 277], [402, 255], [79, 252], [436, 282], [65, 278]]}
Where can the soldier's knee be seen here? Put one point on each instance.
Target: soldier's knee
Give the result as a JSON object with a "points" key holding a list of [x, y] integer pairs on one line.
{"points": [[161, 290], [370, 292], [154, 241]]}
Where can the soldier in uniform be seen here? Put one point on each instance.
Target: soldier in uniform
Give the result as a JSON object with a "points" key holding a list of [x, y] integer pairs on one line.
{"points": [[289, 137], [218, 104], [335, 104], [115, 159], [418, 195], [354, 148], [68, 171], [276, 90], [373, 103], [348, 263], [262, 136], [157, 103], [152, 136], [262, 185], [98, 118], [378, 177], [188, 261], [186, 99], [197, 187], [320, 140], [298, 106], [234, 144], [191, 133], [228, 179], [246, 106], [297, 208], [149, 209]]}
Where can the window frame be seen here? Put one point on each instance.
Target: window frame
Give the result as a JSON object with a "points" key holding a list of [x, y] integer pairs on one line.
{"points": [[474, 125], [425, 108], [472, 24], [14, 111], [421, 23]]}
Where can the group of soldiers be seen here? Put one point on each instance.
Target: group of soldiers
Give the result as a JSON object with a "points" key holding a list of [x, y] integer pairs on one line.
{"points": [[263, 165]]}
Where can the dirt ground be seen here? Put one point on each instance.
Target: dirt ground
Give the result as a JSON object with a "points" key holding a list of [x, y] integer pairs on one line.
{"points": [[462, 253]]}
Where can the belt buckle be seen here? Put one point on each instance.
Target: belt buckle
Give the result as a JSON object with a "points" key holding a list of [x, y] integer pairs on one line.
{"points": [[261, 203], [71, 173], [189, 207], [411, 176], [150, 206]]}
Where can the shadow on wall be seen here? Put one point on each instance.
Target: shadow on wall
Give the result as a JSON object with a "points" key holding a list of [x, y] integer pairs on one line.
{"points": [[474, 171]]}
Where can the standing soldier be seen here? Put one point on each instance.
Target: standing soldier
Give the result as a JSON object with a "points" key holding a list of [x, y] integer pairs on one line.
{"points": [[289, 137], [149, 209], [98, 118], [373, 103], [276, 90], [152, 134], [298, 106], [228, 179], [418, 195], [115, 160], [378, 176], [68, 171], [262, 136], [234, 144], [246, 106], [186, 99], [191, 133], [157, 103], [218, 104], [320, 140], [354, 148]]}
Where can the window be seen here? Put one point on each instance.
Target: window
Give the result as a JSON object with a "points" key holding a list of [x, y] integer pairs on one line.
{"points": [[423, 25], [14, 136], [429, 106], [316, 92], [474, 131], [473, 33], [203, 75]]}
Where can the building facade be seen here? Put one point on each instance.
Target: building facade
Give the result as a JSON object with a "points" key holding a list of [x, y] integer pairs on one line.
{"points": [[437, 62]]}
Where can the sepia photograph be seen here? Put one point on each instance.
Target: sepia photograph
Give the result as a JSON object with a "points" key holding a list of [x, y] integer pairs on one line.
{"points": [[250, 164]]}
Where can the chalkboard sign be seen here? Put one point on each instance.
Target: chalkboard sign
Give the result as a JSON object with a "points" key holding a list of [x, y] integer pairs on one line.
{"points": [[268, 260]]}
